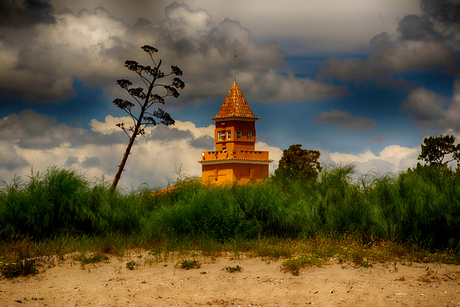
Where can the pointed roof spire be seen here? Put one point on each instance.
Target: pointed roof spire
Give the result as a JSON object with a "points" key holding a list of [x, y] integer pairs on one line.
{"points": [[235, 105]]}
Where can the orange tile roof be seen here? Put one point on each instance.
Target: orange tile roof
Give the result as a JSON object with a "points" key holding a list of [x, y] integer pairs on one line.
{"points": [[235, 105]]}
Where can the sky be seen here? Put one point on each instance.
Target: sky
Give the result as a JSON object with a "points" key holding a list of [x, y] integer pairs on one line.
{"points": [[362, 81]]}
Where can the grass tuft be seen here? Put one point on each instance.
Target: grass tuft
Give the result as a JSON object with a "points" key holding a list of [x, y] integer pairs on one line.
{"points": [[232, 269], [131, 265], [294, 264], [19, 268], [188, 264], [91, 259]]}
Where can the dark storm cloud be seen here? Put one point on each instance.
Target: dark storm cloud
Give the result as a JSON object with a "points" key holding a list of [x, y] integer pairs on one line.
{"points": [[446, 15], [13, 164], [98, 138], [425, 107], [27, 124], [394, 83], [173, 33], [379, 138], [381, 43], [204, 141], [344, 120], [91, 162], [426, 41], [166, 134], [444, 11], [91, 46], [35, 131], [428, 109], [10, 160], [440, 22], [71, 161], [187, 34], [47, 59], [18, 14], [388, 57], [417, 28], [354, 68]]}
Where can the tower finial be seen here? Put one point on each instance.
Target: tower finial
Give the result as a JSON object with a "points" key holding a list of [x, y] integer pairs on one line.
{"points": [[235, 65]]}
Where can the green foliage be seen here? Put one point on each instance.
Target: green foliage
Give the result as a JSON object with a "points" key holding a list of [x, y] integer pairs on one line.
{"points": [[189, 264], [131, 265], [298, 163], [294, 264], [420, 206], [436, 149], [62, 201], [18, 267], [232, 269], [426, 207], [273, 250], [199, 212], [84, 260]]}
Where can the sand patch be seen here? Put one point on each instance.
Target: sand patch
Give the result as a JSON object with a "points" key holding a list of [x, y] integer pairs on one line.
{"points": [[259, 283]]}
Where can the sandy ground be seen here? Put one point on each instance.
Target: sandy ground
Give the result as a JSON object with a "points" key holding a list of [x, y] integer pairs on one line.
{"points": [[260, 283]]}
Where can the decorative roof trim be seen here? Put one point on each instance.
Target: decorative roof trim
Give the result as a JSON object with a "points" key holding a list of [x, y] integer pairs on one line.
{"points": [[241, 119], [233, 160]]}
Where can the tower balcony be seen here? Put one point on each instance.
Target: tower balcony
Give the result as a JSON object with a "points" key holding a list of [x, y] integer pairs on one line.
{"points": [[225, 156]]}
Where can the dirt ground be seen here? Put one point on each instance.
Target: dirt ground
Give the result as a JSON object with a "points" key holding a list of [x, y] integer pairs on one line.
{"points": [[260, 283]]}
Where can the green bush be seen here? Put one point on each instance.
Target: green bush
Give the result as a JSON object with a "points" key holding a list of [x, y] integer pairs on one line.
{"points": [[64, 202], [200, 212], [420, 206], [18, 267]]}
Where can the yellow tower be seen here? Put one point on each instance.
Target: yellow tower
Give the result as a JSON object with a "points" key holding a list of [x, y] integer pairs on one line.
{"points": [[234, 157]]}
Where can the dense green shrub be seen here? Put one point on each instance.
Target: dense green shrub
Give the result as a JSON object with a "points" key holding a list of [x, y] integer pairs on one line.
{"points": [[420, 206], [199, 211], [64, 202]]}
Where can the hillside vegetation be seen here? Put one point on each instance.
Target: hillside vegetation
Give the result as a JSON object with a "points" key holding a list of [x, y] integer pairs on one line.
{"points": [[420, 206], [61, 211]]}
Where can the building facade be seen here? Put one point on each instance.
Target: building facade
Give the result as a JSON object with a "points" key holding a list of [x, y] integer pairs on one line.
{"points": [[234, 157]]}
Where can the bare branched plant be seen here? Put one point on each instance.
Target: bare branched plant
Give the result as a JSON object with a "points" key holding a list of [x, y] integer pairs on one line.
{"points": [[141, 118]]}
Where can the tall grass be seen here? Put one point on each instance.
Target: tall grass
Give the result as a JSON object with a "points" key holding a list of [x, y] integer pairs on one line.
{"points": [[420, 206], [62, 201]]}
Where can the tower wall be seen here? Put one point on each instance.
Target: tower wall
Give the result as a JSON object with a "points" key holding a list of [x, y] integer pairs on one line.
{"points": [[229, 172], [235, 142]]}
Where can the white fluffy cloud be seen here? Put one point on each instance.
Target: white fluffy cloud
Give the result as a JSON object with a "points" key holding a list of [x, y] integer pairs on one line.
{"points": [[42, 61], [348, 26], [393, 158], [155, 156]]}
